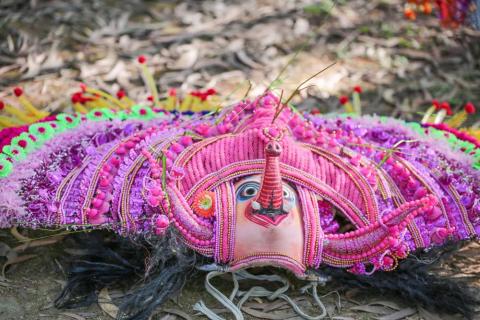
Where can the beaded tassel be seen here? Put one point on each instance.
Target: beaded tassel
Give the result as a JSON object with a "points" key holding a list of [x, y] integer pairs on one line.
{"points": [[460, 117], [148, 78], [37, 114], [22, 116]]}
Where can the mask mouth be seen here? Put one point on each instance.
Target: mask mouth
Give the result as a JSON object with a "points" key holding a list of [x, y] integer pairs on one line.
{"points": [[269, 212]]}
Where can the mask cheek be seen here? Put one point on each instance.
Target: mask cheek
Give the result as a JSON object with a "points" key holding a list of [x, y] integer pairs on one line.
{"points": [[289, 204], [241, 206]]}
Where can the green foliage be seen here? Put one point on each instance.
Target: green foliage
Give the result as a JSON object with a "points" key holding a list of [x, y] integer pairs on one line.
{"points": [[364, 29], [322, 7], [387, 30], [405, 43]]}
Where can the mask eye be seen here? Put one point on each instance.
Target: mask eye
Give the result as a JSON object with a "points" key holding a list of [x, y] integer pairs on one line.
{"points": [[287, 194], [248, 190]]}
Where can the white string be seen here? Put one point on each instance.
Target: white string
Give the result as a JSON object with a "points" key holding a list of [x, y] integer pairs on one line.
{"points": [[256, 291]]}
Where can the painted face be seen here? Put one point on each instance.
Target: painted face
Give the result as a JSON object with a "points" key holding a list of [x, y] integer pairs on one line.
{"points": [[257, 239]]}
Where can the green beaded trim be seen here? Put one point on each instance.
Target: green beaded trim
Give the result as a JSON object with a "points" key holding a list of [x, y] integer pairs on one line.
{"points": [[5, 166], [68, 121], [42, 131], [39, 133], [454, 142], [143, 113], [100, 115]]}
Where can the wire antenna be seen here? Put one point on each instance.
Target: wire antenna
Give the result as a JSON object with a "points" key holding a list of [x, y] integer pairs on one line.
{"points": [[299, 88]]}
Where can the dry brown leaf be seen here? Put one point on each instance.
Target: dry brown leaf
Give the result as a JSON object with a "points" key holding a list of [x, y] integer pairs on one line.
{"points": [[388, 96], [401, 314], [186, 60], [18, 235], [351, 293], [384, 303], [269, 315], [427, 315], [379, 35], [15, 260], [106, 304], [4, 282], [267, 307], [38, 243], [6, 251], [117, 70], [72, 315], [372, 309], [246, 60], [178, 312], [254, 305], [76, 252]]}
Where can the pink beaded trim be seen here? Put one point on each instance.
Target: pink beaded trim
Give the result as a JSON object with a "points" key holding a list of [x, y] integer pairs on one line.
{"points": [[349, 248], [64, 189], [267, 258], [127, 221], [368, 195], [225, 223], [313, 233], [466, 221], [250, 167]]}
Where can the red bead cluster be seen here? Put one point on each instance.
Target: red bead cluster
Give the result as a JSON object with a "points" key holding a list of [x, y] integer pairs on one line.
{"points": [[345, 99], [445, 105], [17, 91], [172, 92], [442, 106], [78, 97], [121, 94], [469, 108], [203, 95], [141, 59]]}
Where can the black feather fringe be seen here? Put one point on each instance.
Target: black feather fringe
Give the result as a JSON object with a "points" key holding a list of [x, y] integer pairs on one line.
{"points": [[159, 267], [101, 263], [415, 281]]}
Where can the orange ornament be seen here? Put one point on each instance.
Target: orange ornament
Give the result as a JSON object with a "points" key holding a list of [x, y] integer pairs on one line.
{"points": [[410, 14], [204, 204], [427, 8]]}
